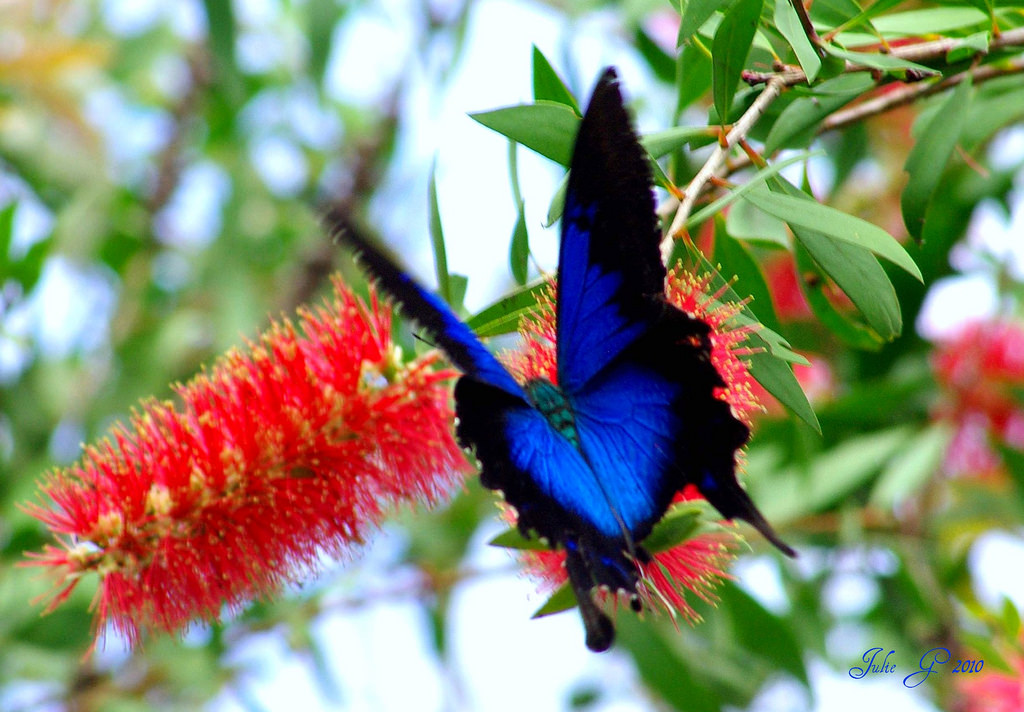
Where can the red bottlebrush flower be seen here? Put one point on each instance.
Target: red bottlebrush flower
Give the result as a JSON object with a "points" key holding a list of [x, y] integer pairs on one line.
{"points": [[296, 447], [994, 690], [697, 564], [979, 369]]}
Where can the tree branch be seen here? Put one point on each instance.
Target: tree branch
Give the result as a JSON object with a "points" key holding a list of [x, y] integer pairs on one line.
{"points": [[717, 159]]}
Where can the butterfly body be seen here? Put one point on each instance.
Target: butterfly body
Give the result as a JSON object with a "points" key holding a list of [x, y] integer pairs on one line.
{"points": [[592, 462]]}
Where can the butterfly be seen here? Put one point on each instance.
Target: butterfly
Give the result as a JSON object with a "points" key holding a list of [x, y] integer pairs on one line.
{"points": [[592, 463]]}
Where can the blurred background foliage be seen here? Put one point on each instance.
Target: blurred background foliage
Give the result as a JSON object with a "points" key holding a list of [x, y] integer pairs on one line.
{"points": [[160, 165]]}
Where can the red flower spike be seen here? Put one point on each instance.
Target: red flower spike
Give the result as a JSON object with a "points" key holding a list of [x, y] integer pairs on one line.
{"points": [[696, 565], [293, 448], [980, 368]]}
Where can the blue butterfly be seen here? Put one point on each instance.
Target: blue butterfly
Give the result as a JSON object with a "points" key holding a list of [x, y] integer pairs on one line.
{"points": [[593, 463]]}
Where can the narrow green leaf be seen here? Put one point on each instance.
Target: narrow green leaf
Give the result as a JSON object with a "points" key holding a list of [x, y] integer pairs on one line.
{"points": [[562, 599], [695, 14], [322, 16], [729, 50], [788, 23], [734, 259], [1010, 618], [663, 66], [6, 236], [969, 46], [545, 127], [457, 284], [666, 670], [512, 538], [937, 20], [519, 249], [885, 62], [220, 23], [680, 523], [503, 316], [557, 202], [547, 85], [437, 239], [930, 154], [661, 143], [797, 125], [747, 223], [756, 183], [761, 632], [777, 378], [810, 214], [849, 331], [694, 70], [915, 465]]}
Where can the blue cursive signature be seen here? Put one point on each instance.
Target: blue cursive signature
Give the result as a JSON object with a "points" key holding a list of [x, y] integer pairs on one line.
{"points": [[872, 667], [933, 656]]}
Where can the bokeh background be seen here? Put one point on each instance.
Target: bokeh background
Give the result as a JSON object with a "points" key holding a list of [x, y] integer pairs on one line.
{"points": [[160, 168]]}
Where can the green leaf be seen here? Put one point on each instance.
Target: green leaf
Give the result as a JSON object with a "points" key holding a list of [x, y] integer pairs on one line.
{"points": [[729, 51], [694, 68], [756, 183], [762, 632], [734, 259], [810, 214], [519, 249], [661, 143], [545, 127], [663, 66], [1010, 619], [512, 538], [778, 379], [968, 47], [695, 14], [665, 670], [797, 125], [785, 494], [745, 222], [437, 240], [557, 202], [548, 86], [885, 62], [6, 236], [930, 154], [682, 522], [220, 23], [937, 20], [915, 465], [851, 332], [322, 16], [788, 23], [563, 599], [503, 316]]}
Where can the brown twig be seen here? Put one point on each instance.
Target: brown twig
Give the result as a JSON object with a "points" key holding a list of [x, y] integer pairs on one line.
{"points": [[932, 51]]}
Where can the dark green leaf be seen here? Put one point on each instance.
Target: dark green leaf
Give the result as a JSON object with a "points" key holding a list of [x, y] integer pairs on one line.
{"points": [[809, 213], [512, 538], [6, 236], [663, 66], [561, 600], [930, 154], [665, 670], [968, 47], [519, 249], [220, 23], [762, 632], [322, 16], [545, 127], [851, 332], [682, 522], [729, 51], [547, 85], [777, 378]]}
